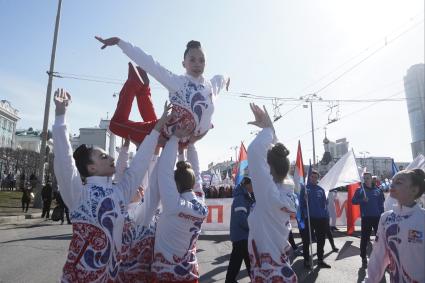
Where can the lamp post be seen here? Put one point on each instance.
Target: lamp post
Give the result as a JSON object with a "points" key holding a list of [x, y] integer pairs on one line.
{"points": [[236, 152], [364, 157], [309, 98], [37, 200]]}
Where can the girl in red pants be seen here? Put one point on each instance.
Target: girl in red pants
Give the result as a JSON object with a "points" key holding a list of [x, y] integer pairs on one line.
{"points": [[137, 85]]}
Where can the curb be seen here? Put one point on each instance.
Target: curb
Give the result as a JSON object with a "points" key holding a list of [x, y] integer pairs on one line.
{"points": [[18, 218]]}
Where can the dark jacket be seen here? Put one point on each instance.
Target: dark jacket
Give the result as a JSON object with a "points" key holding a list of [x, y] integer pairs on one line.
{"points": [[242, 202], [374, 206], [317, 203], [46, 193]]}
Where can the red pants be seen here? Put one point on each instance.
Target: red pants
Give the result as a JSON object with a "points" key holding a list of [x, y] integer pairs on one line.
{"points": [[120, 124]]}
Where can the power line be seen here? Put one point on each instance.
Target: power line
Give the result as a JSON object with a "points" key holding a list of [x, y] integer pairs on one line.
{"points": [[370, 55], [344, 116], [357, 55]]}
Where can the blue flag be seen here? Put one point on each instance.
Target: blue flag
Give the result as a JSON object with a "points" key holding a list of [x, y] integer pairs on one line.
{"points": [[394, 168]]}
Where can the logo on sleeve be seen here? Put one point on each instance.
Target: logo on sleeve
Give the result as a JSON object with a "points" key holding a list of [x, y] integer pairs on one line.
{"points": [[415, 236]]}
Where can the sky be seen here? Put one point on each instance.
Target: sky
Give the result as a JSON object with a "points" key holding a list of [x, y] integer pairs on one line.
{"points": [[276, 48]]}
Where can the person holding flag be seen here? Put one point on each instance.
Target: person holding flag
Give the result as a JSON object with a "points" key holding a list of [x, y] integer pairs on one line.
{"points": [[371, 200], [314, 204]]}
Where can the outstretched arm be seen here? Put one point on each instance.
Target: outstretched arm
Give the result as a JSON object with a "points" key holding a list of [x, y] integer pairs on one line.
{"points": [[167, 185], [192, 158], [169, 80], [66, 172], [122, 161], [133, 176], [265, 189]]}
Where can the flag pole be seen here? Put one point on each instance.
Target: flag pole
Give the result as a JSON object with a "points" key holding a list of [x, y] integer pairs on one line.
{"points": [[310, 254], [360, 178]]}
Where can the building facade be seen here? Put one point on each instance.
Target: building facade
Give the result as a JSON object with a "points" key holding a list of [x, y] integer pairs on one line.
{"points": [[8, 119], [96, 136], [415, 97], [378, 166], [28, 139]]}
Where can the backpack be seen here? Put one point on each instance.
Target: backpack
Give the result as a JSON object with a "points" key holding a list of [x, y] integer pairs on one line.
{"points": [[57, 213]]}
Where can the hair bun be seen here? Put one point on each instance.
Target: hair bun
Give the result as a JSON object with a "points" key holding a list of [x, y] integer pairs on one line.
{"points": [[193, 44], [419, 172], [80, 151], [280, 150], [183, 165]]}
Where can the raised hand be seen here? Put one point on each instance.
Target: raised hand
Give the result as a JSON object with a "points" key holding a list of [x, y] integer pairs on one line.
{"points": [[182, 132], [262, 118], [162, 140], [108, 42], [194, 139], [165, 116], [62, 100]]}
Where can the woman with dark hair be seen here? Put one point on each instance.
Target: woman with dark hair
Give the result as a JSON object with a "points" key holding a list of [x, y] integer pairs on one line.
{"points": [[184, 211], [399, 244], [268, 221], [98, 206], [191, 94]]}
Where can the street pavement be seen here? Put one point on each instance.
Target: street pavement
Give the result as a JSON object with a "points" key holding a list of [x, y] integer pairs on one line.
{"points": [[34, 250]]}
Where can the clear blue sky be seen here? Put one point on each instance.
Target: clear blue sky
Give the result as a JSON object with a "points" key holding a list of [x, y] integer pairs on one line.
{"points": [[273, 48]]}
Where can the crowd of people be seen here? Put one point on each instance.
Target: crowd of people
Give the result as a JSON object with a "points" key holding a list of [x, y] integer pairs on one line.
{"points": [[218, 192], [140, 222]]}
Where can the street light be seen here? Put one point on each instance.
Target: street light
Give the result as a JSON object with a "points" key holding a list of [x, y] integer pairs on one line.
{"points": [[309, 98], [236, 152], [364, 157]]}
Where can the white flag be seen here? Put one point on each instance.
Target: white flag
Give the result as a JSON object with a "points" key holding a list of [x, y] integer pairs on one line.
{"points": [[343, 173], [419, 162]]}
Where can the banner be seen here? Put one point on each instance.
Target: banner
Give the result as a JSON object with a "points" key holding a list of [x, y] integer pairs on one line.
{"points": [[218, 218]]}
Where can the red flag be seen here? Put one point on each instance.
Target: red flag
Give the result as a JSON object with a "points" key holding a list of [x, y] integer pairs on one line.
{"points": [[242, 164], [353, 210], [299, 163], [243, 155], [299, 173]]}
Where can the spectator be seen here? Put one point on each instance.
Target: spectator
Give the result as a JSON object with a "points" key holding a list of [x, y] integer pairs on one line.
{"points": [[319, 218], [33, 180], [46, 195], [371, 200], [63, 206], [239, 229], [26, 199]]}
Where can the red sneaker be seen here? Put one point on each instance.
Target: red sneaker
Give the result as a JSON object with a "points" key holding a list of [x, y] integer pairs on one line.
{"points": [[143, 75], [133, 74]]}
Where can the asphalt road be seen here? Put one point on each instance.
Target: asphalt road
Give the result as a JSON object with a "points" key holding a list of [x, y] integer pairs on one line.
{"points": [[35, 251]]}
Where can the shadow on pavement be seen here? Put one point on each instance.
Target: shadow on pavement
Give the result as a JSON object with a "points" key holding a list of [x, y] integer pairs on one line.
{"points": [[26, 226], [53, 237], [303, 274], [348, 250], [215, 238], [219, 260], [207, 277]]}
